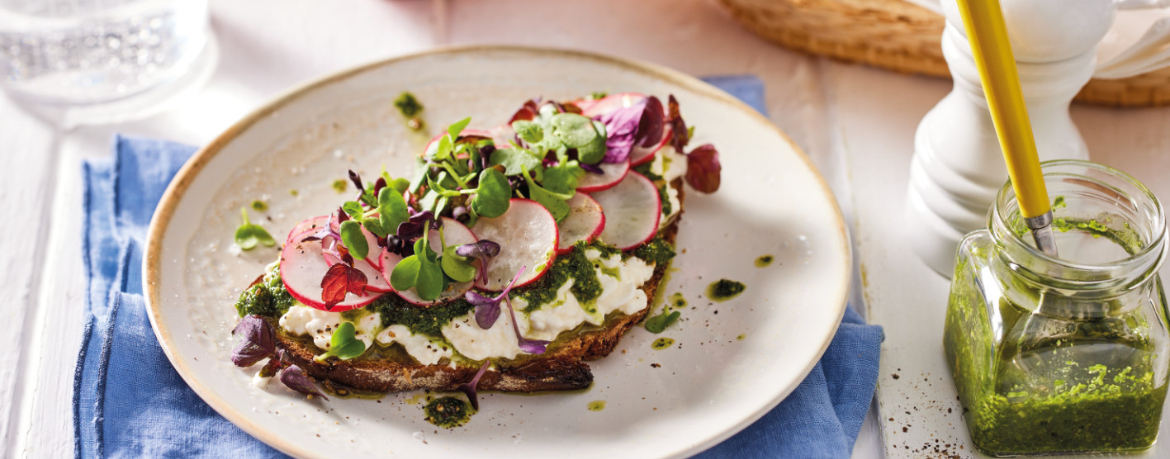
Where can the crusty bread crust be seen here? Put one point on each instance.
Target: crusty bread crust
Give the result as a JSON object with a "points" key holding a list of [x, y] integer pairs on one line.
{"points": [[562, 367]]}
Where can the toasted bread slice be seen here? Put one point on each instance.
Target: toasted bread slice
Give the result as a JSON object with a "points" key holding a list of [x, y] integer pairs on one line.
{"points": [[561, 367]]}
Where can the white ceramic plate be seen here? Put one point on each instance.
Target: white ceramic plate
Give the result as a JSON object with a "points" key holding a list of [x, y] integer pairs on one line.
{"points": [[731, 363]]}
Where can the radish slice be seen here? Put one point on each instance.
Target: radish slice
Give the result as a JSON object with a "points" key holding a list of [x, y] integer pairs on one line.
{"points": [[314, 223], [584, 223], [610, 103], [527, 234], [611, 174], [302, 268], [454, 233], [640, 155], [632, 210]]}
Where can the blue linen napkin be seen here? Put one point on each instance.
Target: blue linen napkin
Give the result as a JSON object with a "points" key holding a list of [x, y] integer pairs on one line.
{"points": [[128, 400]]}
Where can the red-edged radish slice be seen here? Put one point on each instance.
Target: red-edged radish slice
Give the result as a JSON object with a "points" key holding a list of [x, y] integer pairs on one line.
{"points": [[584, 223], [611, 174], [632, 210], [315, 223], [454, 233], [302, 268], [527, 234], [610, 103], [640, 155]]}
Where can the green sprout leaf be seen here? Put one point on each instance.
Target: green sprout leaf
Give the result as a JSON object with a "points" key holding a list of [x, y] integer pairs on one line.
{"points": [[353, 209], [458, 127], [343, 345], [493, 195], [354, 240], [457, 268], [573, 130], [594, 152], [554, 202], [563, 178], [514, 160], [391, 210], [659, 322], [529, 131], [405, 273], [248, 234], [444, 149], [430, 280]]}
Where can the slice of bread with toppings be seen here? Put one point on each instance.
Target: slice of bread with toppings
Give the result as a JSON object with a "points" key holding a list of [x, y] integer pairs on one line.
{"points": [[510, 260]]}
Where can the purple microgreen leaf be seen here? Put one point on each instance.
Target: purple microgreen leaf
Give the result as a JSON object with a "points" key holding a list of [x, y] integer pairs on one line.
{"points": [[650, 126], [357, 180], [621, 128], [255, 341], [296, 379], [381, 183], [487, 309], [703, 169], [469, 388], [409, 231], [591, 168], [680, 135], [531, 346], [482, 248]]}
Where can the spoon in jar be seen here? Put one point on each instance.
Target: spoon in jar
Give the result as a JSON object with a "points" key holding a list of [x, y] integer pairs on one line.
{"points": [[987, 34]]}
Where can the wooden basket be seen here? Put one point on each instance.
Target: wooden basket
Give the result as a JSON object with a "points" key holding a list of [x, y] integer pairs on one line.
{"points": [[903, 37]]}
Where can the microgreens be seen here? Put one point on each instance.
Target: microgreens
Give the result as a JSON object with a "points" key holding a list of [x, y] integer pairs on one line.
{"points": [[531, 346], [340, 280], [487, 309], [249, 234], [659, 322], [255, 341], [343, 344], [469, 388], [420, 271]]}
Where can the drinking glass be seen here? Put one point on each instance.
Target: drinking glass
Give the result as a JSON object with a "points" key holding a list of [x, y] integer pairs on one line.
{"points": [[96, 61]]}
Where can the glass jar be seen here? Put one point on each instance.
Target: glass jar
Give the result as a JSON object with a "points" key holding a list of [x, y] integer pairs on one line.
{"points": [[1068, 355]]}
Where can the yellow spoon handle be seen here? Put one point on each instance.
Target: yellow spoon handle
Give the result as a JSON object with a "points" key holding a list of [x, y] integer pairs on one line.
{"points": [[1001, 84]]}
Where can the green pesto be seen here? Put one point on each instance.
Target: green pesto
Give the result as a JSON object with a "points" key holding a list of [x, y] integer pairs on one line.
{"points": [[259, 205], [1058, 202], [657, 251], [677, 301], [596, 405], [615, 273], [764, 261], [267, 298], [408, 105], [724, 289], [1045, 384], [586, 285], [293, 192], [1126, 238], [340, 185], [662, 343], [741, 337], [644, 169], [427, 321], [665, 199], [448, 412]]}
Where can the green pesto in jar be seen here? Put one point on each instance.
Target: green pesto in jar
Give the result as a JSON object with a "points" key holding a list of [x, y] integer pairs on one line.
{"points": [[1045, 384], [448, 412]]}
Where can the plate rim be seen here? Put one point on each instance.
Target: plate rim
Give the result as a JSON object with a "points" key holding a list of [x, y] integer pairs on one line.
{"points": [[176, 190]]}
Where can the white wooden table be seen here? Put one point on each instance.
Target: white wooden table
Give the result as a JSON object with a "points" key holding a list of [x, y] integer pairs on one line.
{"points": [[855, 123]]}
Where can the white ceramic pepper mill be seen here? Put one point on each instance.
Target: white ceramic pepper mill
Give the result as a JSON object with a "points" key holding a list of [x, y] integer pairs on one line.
{"points": [[958, 167]]}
